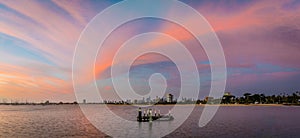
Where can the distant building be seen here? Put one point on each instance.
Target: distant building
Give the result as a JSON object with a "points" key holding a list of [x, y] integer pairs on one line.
{"points": [[169, 98], [227, 94], [128, 101], [148, 100], [157, 99], [208, 98]]}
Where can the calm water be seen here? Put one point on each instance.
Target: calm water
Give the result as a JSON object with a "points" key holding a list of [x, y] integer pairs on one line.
{"points": [[69, 121]]}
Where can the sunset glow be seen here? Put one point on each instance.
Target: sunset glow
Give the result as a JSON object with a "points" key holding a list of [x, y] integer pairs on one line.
{"points": [[261, 42]]}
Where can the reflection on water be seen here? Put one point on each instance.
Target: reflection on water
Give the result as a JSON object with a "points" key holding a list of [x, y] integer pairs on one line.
{"points": [[68, 121], [45, 121]]}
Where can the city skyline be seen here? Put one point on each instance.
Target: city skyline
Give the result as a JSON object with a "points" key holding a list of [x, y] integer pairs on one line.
{"points": [[38, 38]]}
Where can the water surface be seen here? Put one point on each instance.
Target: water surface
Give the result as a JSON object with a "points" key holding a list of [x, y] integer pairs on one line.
{"points": [[69, 121]]}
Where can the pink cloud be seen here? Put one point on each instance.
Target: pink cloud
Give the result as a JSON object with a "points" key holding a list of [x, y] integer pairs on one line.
{"points": [[246, 36], [260, 32], [18, 81], [46, 31]]}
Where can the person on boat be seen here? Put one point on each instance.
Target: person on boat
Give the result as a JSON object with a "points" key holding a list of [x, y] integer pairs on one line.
{"points": [[140, 114], [150, 115], [158, 113]]}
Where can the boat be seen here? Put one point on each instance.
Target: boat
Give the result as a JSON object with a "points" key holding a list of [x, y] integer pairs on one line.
{"points": [[165, 118], [149, 117]]}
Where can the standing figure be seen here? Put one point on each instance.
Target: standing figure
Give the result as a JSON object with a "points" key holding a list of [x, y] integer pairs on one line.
{"points": [[150, 115], [140, 114]]}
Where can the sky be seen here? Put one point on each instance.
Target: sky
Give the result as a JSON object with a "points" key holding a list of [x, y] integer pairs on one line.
{"points": [[260, 39]]}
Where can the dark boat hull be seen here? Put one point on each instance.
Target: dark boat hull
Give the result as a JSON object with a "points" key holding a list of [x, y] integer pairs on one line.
{"points": [[155, 118]]}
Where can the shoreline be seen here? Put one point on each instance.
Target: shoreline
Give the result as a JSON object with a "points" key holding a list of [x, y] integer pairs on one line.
{"points": [[145, 105], [203, 105], [242, 105]]}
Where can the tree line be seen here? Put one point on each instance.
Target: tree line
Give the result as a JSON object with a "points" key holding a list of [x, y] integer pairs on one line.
{"points": [[249, 98]]}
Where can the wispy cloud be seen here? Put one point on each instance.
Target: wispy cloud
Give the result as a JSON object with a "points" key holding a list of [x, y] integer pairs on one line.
{"points": [[38, 40]]}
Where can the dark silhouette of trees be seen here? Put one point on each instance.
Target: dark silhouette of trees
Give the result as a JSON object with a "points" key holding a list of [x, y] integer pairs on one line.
{"points": [[228, 99], [282, 98], [247, 99]]}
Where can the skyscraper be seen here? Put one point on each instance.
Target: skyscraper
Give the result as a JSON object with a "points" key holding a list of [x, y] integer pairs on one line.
{"points": [[169, 98]]}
